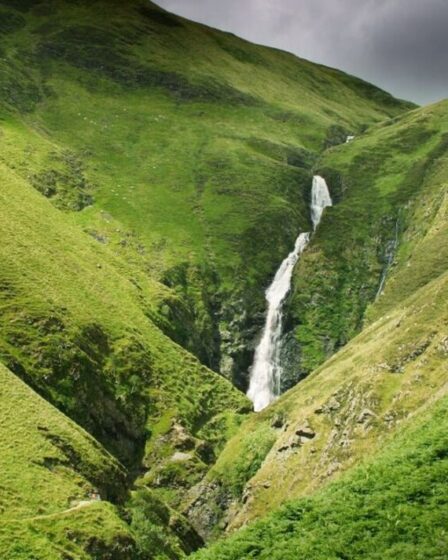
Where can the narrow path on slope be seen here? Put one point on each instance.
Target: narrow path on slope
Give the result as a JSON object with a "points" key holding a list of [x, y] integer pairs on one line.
{"points": [[81, 505]]}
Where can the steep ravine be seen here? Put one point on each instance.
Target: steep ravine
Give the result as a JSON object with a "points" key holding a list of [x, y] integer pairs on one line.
{"points": [[374, 182], [395, 173], [266, 372], [267, 369]]}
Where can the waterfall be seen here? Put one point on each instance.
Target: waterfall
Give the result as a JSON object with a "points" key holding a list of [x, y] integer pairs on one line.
{"points": [[266, 371], [265, 374], [391, 249], [320, 199]]}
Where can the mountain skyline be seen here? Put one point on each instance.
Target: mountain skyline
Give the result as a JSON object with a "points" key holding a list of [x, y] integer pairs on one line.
{"points": [[400, 46]]}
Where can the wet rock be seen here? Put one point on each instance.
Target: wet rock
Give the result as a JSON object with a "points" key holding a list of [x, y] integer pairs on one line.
{"points": [[291, 360]]}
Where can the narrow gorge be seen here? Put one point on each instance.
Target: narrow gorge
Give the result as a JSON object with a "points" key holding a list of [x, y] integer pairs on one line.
{"points": [[266, 371]]}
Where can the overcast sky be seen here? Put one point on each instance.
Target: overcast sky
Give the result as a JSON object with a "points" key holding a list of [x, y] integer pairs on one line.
{"points": [[400, 45]]}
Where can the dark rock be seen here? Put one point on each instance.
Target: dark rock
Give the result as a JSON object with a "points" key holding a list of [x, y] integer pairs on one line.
{"points": [[306, 432], [365, 415], [278, 421]]}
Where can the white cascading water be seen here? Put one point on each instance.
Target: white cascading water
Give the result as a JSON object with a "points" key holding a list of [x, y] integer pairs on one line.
{"points": [[320, 199], [265, 374]]}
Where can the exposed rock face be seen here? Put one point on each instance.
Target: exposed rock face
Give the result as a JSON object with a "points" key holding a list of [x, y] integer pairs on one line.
{"points": [[180, 457], [180, 438], [301, 435], [292, 370], [220, 329], [365, 415], [241, 320], [210, 508]]}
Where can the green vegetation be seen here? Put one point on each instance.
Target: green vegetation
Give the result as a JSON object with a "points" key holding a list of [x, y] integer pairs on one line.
{"points": [[50, 469], [158, 530], [80, 331], [154, 172], [395, 366], [377, 182], [206, 166], [90, 532], [390, 508]]}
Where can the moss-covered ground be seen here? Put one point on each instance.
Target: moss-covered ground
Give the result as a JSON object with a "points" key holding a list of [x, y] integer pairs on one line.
{"points": [[397, 364], [391, 508], [154, 172]]}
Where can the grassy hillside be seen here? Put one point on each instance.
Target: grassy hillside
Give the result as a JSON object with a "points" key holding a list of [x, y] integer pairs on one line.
{"points": [[380, 183], [154, 173], [398, 363], [79, 330], [194, 146], [390, 508], [52, 476], [77, 326], [50, 468]]}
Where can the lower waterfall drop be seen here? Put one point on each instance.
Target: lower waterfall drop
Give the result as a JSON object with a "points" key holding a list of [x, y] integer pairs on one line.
{"points": [[265, 373]]}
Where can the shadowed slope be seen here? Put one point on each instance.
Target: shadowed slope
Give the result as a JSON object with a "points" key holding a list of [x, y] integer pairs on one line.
{"points": [[50, 469]]}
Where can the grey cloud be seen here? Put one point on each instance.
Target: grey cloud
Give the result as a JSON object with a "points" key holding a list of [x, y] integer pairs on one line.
{"points": [[400, 45]]}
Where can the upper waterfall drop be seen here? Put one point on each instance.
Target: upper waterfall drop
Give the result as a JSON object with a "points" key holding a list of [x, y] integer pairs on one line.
{"points": [[320, 199], [265, 374]]}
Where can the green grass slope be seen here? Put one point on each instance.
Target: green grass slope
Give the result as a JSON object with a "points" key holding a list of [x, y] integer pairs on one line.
{"points": [[346, 408], [154, 173], [391, 508], [77, 325], [380, 183], [79, 330], [50, 468], [198, 144]]}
